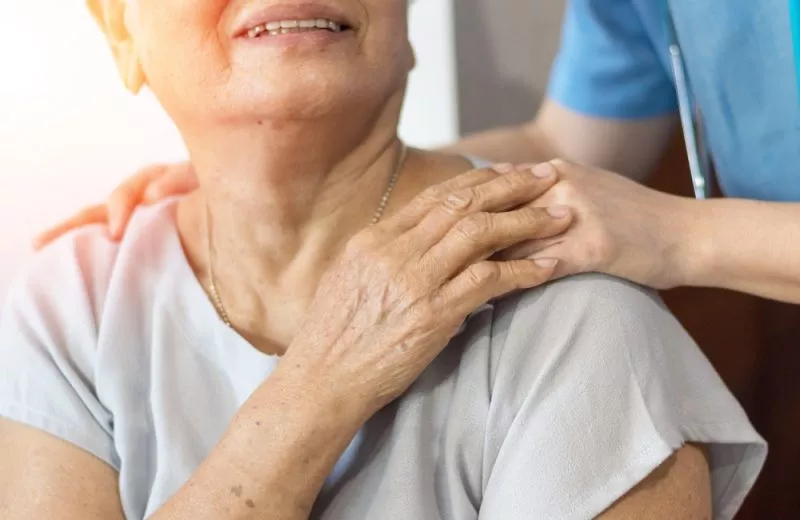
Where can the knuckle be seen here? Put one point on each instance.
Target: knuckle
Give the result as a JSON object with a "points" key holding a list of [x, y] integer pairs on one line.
{"points": [[472, 177], [474, 226], [430, 197], [492, 172], [484, 273], [534, 218], [461, 201], [426, 314], [518, 278], [431, 194]]}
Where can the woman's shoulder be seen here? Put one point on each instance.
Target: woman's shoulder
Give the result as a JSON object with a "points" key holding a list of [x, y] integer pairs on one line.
{"points": [[596, 371], [591, 327], [579, 307], [77, 270]]}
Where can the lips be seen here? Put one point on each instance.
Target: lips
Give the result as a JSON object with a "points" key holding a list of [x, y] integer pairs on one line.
{"points": [[278, 19], [276, 28]]}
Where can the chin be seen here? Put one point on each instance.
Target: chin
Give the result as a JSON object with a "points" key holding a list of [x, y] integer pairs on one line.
{"points": [[305, 94]]}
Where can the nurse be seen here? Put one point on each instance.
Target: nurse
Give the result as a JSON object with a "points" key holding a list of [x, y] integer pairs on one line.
{"points": [[611, 109]]}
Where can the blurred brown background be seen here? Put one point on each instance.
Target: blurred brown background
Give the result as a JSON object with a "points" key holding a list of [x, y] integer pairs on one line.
{"points": [[505, 49]]}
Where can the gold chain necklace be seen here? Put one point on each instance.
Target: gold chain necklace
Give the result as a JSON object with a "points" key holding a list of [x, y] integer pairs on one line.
{"points": [[212, 283]]}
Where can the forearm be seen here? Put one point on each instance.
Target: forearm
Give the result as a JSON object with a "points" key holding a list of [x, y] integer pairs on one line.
{"points": [[515, 144], [746, 246], [632, 148], [273, 460]]}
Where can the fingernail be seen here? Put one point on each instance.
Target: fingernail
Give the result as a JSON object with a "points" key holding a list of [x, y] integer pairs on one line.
{"points": [[558, 211], [543, 170], [504, 168], [545, 263]]}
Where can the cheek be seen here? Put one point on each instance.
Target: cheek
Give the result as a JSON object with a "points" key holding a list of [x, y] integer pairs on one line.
{"points": [[179, 43]]}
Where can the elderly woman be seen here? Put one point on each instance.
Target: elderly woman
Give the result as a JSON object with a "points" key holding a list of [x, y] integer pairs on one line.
{"points": [[319, 330]]}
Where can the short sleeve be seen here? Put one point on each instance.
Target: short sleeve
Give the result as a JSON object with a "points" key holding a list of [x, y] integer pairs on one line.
{"points": [[607, 64], [596, 386], [48, 343]]}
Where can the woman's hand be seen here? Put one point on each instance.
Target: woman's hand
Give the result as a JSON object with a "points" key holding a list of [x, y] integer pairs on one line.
{"points": [[621, 228], [402, 288], [148, 186]]}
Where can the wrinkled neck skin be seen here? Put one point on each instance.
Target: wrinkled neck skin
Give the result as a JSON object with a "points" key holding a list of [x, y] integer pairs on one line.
{"points": [[283, 198]]}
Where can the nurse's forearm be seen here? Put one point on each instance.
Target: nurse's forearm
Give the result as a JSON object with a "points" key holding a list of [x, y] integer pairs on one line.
{"points": [[746, 246], [513, 144], [274, 458]]}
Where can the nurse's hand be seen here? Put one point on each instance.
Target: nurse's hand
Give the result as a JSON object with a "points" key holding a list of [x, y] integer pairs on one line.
{"points": [[621, 228], [148, 186]]}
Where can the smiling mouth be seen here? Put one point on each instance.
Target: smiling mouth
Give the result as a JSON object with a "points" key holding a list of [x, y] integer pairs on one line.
{"points": [[295, 26]]}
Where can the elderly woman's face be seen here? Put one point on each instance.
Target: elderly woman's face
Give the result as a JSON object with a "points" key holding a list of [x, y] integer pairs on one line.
{"points": [[240, 59]]}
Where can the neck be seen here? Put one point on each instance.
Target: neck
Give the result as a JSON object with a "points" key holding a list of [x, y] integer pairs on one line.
{"points": [[282, 198]]}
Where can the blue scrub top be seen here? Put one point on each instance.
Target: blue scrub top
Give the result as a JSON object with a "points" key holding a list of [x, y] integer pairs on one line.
{"points": [[614, 63]]}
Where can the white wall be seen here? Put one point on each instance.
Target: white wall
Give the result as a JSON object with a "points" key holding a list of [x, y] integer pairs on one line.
{"points": [[69, 132]]}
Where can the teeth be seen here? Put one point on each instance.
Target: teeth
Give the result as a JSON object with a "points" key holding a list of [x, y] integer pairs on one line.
{"points": [[255, 31], [292, 26]]}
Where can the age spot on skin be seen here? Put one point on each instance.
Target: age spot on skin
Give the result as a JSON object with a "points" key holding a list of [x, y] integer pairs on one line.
{"points": [[249, 503], [236, 490]]}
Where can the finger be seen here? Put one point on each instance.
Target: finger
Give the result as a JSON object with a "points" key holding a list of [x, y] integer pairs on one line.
{"points": [[528, 248], [176, 179], [505, 192], [124, 199], [480, 235], [487, 280], [121, 204], [569, 262], [498, 194], [92, 215], [415, 210]]}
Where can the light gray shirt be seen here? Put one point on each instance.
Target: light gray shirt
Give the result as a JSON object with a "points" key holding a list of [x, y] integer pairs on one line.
{"points": [[550, 404]]}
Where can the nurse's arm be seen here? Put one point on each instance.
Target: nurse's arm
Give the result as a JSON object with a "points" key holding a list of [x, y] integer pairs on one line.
{"points": [[747, 246], [559, 132], [555, 132]]}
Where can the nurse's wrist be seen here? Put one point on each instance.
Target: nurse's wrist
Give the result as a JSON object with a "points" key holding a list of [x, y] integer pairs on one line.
{"points": [[693, 244]]}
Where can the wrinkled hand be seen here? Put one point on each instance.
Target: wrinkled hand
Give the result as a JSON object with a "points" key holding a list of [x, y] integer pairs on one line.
{"points": [[621, 228], [148, 186], [402, 288]]}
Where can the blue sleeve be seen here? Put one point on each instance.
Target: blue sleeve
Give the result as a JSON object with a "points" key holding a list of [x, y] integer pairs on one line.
{"points": [[608, 65]]}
